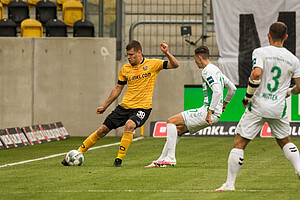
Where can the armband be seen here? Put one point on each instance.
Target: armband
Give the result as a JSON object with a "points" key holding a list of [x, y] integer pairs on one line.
{"points": [[289, 92], [252, 87]]}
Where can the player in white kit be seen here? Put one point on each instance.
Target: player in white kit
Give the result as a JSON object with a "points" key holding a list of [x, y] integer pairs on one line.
{"points": [[194, 120], [273, 68]]}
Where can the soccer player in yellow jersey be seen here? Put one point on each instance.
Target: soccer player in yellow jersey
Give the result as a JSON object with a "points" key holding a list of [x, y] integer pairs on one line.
{"points": [[140, 75]]}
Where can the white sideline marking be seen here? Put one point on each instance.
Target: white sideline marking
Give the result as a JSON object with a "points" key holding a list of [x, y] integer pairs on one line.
{"points": [[60, 154], [151, 191]]}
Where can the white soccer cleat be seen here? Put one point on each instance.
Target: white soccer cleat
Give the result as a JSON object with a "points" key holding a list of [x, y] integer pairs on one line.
{"points": [[225, 187], [166, 161], [152, 165]]}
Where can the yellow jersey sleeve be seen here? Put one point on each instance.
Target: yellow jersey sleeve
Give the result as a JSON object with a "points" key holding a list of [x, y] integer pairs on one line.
{"points": [[122, 80]]}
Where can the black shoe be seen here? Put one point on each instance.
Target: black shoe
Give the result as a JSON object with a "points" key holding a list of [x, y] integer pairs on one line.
{"points": [[117, 162], [64, 162]]}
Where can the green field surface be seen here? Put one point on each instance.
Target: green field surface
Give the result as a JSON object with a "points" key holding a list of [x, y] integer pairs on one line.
{"points": [[201, 168]]}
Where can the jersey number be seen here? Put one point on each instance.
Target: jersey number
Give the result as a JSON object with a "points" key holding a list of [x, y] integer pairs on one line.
{"points": [[275, 79]]}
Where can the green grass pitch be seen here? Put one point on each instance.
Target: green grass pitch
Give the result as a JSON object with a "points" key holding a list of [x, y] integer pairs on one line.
{"points": [[201, 168]]}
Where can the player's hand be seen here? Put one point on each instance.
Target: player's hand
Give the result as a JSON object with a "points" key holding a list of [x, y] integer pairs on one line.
{"points": [[208, 117], [100, 110], [245, 103], [164, 47], [224, 106]]}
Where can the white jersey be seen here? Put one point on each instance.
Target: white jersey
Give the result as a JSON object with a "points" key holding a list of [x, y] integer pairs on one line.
{"points": [[278, 66], [213, 85]]}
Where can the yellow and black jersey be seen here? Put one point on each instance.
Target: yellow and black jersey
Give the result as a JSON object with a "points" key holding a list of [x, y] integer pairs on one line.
{"points": [[140, 80]]}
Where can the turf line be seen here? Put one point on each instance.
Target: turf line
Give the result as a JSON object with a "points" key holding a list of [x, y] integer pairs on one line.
{"points": [[60, 154], [152, 191]]}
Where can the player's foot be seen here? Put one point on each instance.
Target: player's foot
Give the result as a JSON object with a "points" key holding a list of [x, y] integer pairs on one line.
{"points": [[225, 187], [117, 162], [151, 165], [64, 162], [166, 161]]}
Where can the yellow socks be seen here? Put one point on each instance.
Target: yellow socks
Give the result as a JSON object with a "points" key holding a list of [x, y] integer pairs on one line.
{"points": [[125, 143], [89, 142]]}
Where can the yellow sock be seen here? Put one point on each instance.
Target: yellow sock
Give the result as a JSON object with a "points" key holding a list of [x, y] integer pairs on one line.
{"points": [[89, 142], [125, 143]]}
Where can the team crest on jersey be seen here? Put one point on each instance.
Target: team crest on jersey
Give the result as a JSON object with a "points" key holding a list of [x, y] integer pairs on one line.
{"points": [[145, 68]]}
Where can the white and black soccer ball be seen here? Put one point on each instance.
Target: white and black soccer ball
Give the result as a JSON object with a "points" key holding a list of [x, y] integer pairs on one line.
{"points": [[74, 158]]}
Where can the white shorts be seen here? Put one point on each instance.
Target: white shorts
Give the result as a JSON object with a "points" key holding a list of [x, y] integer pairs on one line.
{"points": [[251, 124], [195, 119]]}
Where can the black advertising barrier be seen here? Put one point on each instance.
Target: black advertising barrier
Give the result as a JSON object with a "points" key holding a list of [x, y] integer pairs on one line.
{"points": [[29, 133], [57, 132], [46, 131], [6, 140], [32, 135], [62, 129], [220, 129], [17, 136], [40, 135]]}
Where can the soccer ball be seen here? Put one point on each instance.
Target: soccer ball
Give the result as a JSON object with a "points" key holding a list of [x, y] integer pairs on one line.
{"points": [[74, 158]]}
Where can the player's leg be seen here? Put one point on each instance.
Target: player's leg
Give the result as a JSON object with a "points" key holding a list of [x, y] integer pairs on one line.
{"points": [[247, 129], [281, 130], [235, 161], [137, 117], [164, 153], [93, 138], [175, 128], [291, 153], [125, 142]]}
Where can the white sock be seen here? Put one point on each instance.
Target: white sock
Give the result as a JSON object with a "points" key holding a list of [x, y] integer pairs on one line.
{"points": [[292, 154], [235, 161], [165, 150], [171, 140]]}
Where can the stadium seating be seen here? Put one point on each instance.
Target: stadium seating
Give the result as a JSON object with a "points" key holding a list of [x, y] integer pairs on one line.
{"points": [[31, 28], [56, 28], [45, 10], [8, 28], [5, 2], [83, 28], [18, 11], [72, 12]]}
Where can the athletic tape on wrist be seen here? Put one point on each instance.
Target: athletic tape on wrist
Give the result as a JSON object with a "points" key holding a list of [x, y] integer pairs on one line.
{"points": [[252, 87]]}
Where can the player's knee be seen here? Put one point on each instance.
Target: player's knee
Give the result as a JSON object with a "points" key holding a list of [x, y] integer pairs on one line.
{"points": [[130, 125], [171, 120], [102, 131]]}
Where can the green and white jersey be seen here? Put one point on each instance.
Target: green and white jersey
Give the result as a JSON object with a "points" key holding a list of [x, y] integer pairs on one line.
{"points": [[213, 85], [278, 66]]}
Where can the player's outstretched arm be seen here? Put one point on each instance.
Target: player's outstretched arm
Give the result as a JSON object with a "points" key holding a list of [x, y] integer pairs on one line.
{"points": [[231, 91], [295, 89], [116, 91], [173, 62]]}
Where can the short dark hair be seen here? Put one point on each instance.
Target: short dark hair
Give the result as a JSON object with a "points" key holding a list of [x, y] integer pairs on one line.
{"points": [[133, 44], [278, 30], [203, 51]]}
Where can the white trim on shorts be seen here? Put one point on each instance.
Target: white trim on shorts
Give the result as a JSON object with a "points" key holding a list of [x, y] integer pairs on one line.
{"points": [[251, 124], [195, 119]]}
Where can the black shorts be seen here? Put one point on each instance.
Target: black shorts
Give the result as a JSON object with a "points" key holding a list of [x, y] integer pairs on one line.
{"points": [[120, 116]]}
